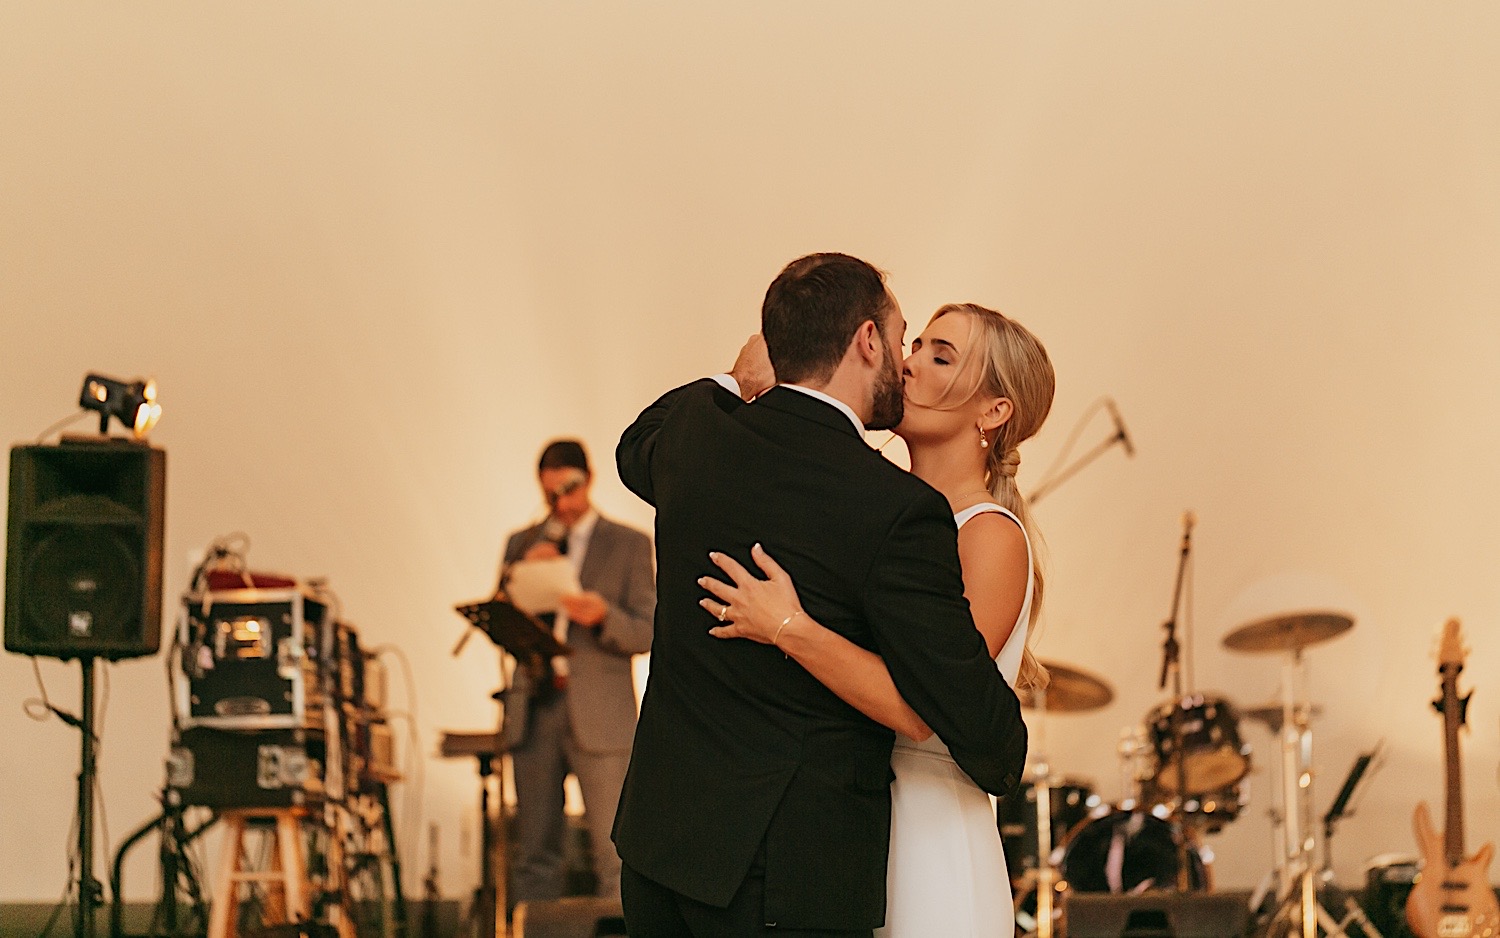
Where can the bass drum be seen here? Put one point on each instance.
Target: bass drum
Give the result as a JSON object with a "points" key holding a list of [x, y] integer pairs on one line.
{"points": [[1128, 851]]}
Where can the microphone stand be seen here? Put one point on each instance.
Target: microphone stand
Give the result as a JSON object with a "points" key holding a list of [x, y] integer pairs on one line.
{"points": [[1048, 485], [1171, 665]]}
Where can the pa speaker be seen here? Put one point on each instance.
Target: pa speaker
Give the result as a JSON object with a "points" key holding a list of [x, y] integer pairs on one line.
{"points": [[83, 556], [1157, 915], [571, 917]]}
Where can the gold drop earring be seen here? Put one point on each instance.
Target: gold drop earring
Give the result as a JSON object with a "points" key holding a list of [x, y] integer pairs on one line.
{"points": [[983, 442]]}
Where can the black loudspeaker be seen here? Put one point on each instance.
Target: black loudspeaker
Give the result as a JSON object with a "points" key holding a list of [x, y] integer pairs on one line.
{"points": [[572, 917], [83, 556], [1157, 915]]}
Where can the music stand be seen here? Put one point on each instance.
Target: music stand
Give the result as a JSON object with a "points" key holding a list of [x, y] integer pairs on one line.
{"points": [[509, 628], [522, 636]]}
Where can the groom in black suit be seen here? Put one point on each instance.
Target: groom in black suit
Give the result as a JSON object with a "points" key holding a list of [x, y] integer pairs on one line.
{"points": [[757, 802]]}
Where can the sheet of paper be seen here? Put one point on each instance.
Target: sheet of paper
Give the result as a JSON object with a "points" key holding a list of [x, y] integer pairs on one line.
{"points": [[535, 586]]}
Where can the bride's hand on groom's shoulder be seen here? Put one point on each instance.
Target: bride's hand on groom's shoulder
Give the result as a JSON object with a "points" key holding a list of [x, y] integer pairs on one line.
{"points": [[752, 368], [749, 606]]}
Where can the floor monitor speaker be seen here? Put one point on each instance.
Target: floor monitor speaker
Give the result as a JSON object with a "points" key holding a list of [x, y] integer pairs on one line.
{"points": [[572, 917], [1157, 915], [83, 562]]}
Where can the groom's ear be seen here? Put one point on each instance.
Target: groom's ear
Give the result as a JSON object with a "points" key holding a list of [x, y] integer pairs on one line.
{"points": [[868, 343]]}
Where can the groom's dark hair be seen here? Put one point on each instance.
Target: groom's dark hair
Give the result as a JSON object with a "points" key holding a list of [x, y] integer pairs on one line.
{"points": [[812, 310]]}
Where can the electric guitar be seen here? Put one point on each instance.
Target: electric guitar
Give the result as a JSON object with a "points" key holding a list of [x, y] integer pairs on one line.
{"points": [[1452, 898]]}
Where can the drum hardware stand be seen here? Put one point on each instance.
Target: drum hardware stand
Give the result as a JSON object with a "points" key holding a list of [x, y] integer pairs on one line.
{"points": [[1046, 874], [1171, 666], [1069, 690], [1336, 813], [1299, 906]]}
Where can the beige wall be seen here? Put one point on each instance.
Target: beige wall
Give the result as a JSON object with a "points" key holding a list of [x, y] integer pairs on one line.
{"points": [[376, 253]]}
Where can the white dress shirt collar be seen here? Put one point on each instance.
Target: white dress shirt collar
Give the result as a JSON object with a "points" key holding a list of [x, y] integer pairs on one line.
{"points": [[829, 399], [728, 383], [579, 536]]}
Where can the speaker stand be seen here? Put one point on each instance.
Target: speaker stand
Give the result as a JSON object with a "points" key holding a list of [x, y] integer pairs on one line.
{"points": [[90, 892]]}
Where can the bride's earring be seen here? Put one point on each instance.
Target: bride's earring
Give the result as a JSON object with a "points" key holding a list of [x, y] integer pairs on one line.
{"points": [[983, 442]]}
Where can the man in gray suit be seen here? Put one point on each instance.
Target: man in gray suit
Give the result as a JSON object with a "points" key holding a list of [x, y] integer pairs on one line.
{"points": [[582, 708]]}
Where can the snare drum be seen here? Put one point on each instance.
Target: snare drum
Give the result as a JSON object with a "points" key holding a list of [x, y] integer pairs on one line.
{"points": [[1128, 851], [1213, 757]]}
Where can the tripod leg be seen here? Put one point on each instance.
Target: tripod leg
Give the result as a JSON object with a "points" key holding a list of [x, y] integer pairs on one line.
{"points": [[1357, 914], [1332, 928]]}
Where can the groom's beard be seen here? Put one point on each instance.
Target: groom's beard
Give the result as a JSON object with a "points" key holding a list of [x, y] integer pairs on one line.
{"points": [[889, 405]]}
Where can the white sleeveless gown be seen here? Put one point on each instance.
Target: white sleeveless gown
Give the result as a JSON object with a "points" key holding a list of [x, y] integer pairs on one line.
{"points": [[947, 873]]}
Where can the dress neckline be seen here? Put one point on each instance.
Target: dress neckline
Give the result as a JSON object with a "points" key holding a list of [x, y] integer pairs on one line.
{"points": [[961, 518]]}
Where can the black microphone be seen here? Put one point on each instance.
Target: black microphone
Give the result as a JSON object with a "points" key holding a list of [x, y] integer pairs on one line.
{"points": [[1189, 518], [553, 530], [1120, 432]]}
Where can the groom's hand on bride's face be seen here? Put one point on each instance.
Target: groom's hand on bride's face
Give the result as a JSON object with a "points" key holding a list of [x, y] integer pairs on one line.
{"points": [[752, 368]]}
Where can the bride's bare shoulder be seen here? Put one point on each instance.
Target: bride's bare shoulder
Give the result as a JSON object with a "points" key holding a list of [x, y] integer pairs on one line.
{"points": [[994, 535]]}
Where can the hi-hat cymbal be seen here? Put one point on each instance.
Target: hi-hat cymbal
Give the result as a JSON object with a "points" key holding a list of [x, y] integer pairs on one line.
{"points": [[1288, 632], [1070, 691], [1271, 714]]}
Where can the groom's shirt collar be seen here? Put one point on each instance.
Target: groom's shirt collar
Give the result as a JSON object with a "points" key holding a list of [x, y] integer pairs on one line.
{"points": [[848, 411], [732, 386]]}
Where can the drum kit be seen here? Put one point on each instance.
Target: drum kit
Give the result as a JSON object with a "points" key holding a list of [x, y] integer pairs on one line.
{"points": [[1185, 775]]}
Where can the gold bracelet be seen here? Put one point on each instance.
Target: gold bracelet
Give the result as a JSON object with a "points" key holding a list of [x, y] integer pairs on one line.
{"points": [[777, 637]]}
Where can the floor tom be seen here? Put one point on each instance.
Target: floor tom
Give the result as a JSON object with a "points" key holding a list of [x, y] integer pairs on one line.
{"points": [[1071, 799]]}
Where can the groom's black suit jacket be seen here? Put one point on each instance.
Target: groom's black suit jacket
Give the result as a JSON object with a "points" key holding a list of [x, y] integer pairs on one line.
{"points": [[738, 748]]}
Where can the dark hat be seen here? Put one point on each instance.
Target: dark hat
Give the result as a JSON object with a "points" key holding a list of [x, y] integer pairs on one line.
{"points": [[564, 454]]}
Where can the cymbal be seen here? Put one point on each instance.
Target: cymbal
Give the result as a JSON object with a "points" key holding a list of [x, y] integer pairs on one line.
{"points": [[1070, 691], [1271, 713], [1288, 632]]}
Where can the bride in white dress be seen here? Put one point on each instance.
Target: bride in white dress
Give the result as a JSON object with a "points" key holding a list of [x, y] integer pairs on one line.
{"points": [[976, 385]]}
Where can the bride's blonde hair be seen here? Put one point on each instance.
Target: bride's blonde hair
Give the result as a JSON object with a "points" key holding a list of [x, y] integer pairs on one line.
{"points": [[1013, 365]]}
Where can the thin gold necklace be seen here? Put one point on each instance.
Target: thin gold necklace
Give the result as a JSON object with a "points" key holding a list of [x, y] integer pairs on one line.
{"points": [[984, 492]]}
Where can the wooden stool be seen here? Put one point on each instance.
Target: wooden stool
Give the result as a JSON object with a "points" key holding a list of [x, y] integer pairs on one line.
{"points": [[285, 878]]}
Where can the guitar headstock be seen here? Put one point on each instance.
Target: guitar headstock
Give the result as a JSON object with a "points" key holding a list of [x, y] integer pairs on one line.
{"points": [[1451, 649]]}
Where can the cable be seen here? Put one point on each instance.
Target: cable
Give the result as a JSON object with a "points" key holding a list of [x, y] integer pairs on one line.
{"points": [[62, 903], [415, 792], [64, 422], [38, 708], [412, 769], [173, 660]]}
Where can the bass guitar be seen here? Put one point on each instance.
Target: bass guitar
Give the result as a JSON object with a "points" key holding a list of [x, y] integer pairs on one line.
{"points": [[1452, 897]]}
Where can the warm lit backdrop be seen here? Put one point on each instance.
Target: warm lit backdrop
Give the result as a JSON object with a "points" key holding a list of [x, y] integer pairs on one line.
{"points": [[377, 253]]}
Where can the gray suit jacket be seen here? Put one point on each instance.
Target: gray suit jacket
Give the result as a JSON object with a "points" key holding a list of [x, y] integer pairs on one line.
{"points": [[601, 696]]}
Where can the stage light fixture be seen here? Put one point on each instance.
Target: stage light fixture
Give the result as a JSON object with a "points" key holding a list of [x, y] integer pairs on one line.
{"points": [[133, 402]]}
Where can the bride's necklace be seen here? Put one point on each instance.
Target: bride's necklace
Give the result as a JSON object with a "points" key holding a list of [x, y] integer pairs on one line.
{"points": [[961, 499]]}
